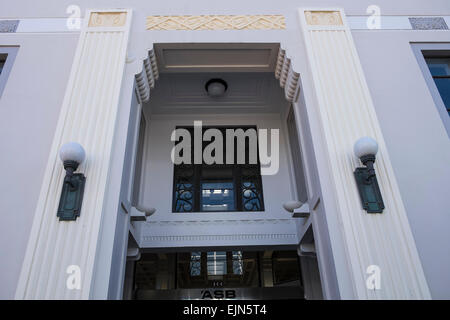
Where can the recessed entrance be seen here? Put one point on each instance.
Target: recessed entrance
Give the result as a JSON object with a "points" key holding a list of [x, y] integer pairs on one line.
{"points": [[218, 275], [218, 230]]}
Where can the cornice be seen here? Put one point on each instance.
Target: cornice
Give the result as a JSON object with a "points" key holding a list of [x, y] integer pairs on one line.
{"points": [[146, 79], [287, 77]]}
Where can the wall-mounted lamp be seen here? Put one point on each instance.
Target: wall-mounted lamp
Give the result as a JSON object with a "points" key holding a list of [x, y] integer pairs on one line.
{"points": [[216, 87], [297, 208], [72, 154], [365, 149], [141, 213]]}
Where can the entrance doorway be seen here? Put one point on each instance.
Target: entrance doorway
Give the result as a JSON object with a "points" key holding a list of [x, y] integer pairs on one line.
{"points": [[228, 274], [218, 230]]}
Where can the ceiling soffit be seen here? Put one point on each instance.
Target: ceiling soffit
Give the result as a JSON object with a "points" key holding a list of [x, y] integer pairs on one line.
{"points": [[254, 71]]}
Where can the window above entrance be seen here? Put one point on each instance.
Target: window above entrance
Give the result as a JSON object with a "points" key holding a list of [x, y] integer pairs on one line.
{"points": [[219, 187]]}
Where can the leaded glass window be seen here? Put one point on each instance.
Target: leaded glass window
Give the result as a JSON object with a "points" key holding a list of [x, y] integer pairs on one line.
{"points": [[218, 187], [238, 263], [195, 266]]}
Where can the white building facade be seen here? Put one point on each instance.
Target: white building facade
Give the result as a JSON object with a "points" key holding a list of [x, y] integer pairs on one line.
{"points": [[119, 77]]}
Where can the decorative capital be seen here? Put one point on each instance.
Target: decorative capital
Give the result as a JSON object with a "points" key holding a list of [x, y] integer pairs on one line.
{"points": [[323, 18], [107, 19]]}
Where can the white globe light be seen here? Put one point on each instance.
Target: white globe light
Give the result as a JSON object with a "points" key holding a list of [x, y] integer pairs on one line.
{"points": [[365, 146], [72, 151], [290, 206]]}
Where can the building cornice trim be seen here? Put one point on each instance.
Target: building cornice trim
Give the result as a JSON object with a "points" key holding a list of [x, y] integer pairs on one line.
{"points": [[146, 79]]}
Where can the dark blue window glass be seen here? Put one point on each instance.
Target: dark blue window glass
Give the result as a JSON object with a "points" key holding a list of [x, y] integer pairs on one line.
{"points": [[2, 63], [440, 71], [3, 57], [443, 85]]}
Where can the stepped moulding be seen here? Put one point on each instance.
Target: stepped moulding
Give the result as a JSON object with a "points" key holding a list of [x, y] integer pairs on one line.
{"points": [[145, 80], [286, 75]]}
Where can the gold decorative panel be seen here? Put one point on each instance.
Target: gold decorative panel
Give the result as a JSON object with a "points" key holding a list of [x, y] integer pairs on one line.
{"points": [[216, 22], [323, 18], [107, 19]]}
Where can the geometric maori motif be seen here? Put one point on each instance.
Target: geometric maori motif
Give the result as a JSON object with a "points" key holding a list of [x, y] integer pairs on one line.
{"points": [[216, 22]]}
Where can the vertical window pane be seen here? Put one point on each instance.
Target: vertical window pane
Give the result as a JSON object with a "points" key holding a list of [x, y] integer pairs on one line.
{"points": [[440, 70], [2, 61], [218, 196], [195, 266], [237, 263], [443, 85], [250, 197], [439, 66], [184, 188], [217, 263]]}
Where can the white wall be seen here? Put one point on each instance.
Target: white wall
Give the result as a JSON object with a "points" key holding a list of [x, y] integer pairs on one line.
{"points": [[417, 142], [29, 109]]}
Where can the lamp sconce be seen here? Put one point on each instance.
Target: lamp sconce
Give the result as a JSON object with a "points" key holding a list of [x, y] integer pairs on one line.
{"points": [[365, 149], [297, 208], [72, 155], [141, 213]]}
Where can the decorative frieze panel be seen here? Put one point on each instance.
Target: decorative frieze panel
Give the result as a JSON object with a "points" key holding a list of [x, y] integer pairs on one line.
{"points": [[323, 18], [8, 26], [221, 223], [215, 232], [107, 19], [223, 237], [318, 18], [216, 22], [428, 23]]}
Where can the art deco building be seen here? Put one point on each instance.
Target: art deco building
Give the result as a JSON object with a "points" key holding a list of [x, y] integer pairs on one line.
{"points": [[342, 191]]}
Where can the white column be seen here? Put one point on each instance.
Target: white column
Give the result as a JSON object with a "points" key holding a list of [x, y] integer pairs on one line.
{"points": [[347, 113], [88, 116]]}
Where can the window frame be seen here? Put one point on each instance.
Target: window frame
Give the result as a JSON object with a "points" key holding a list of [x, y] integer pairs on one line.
{"points": [[11, 53], [433, 50], [237, 176]]}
